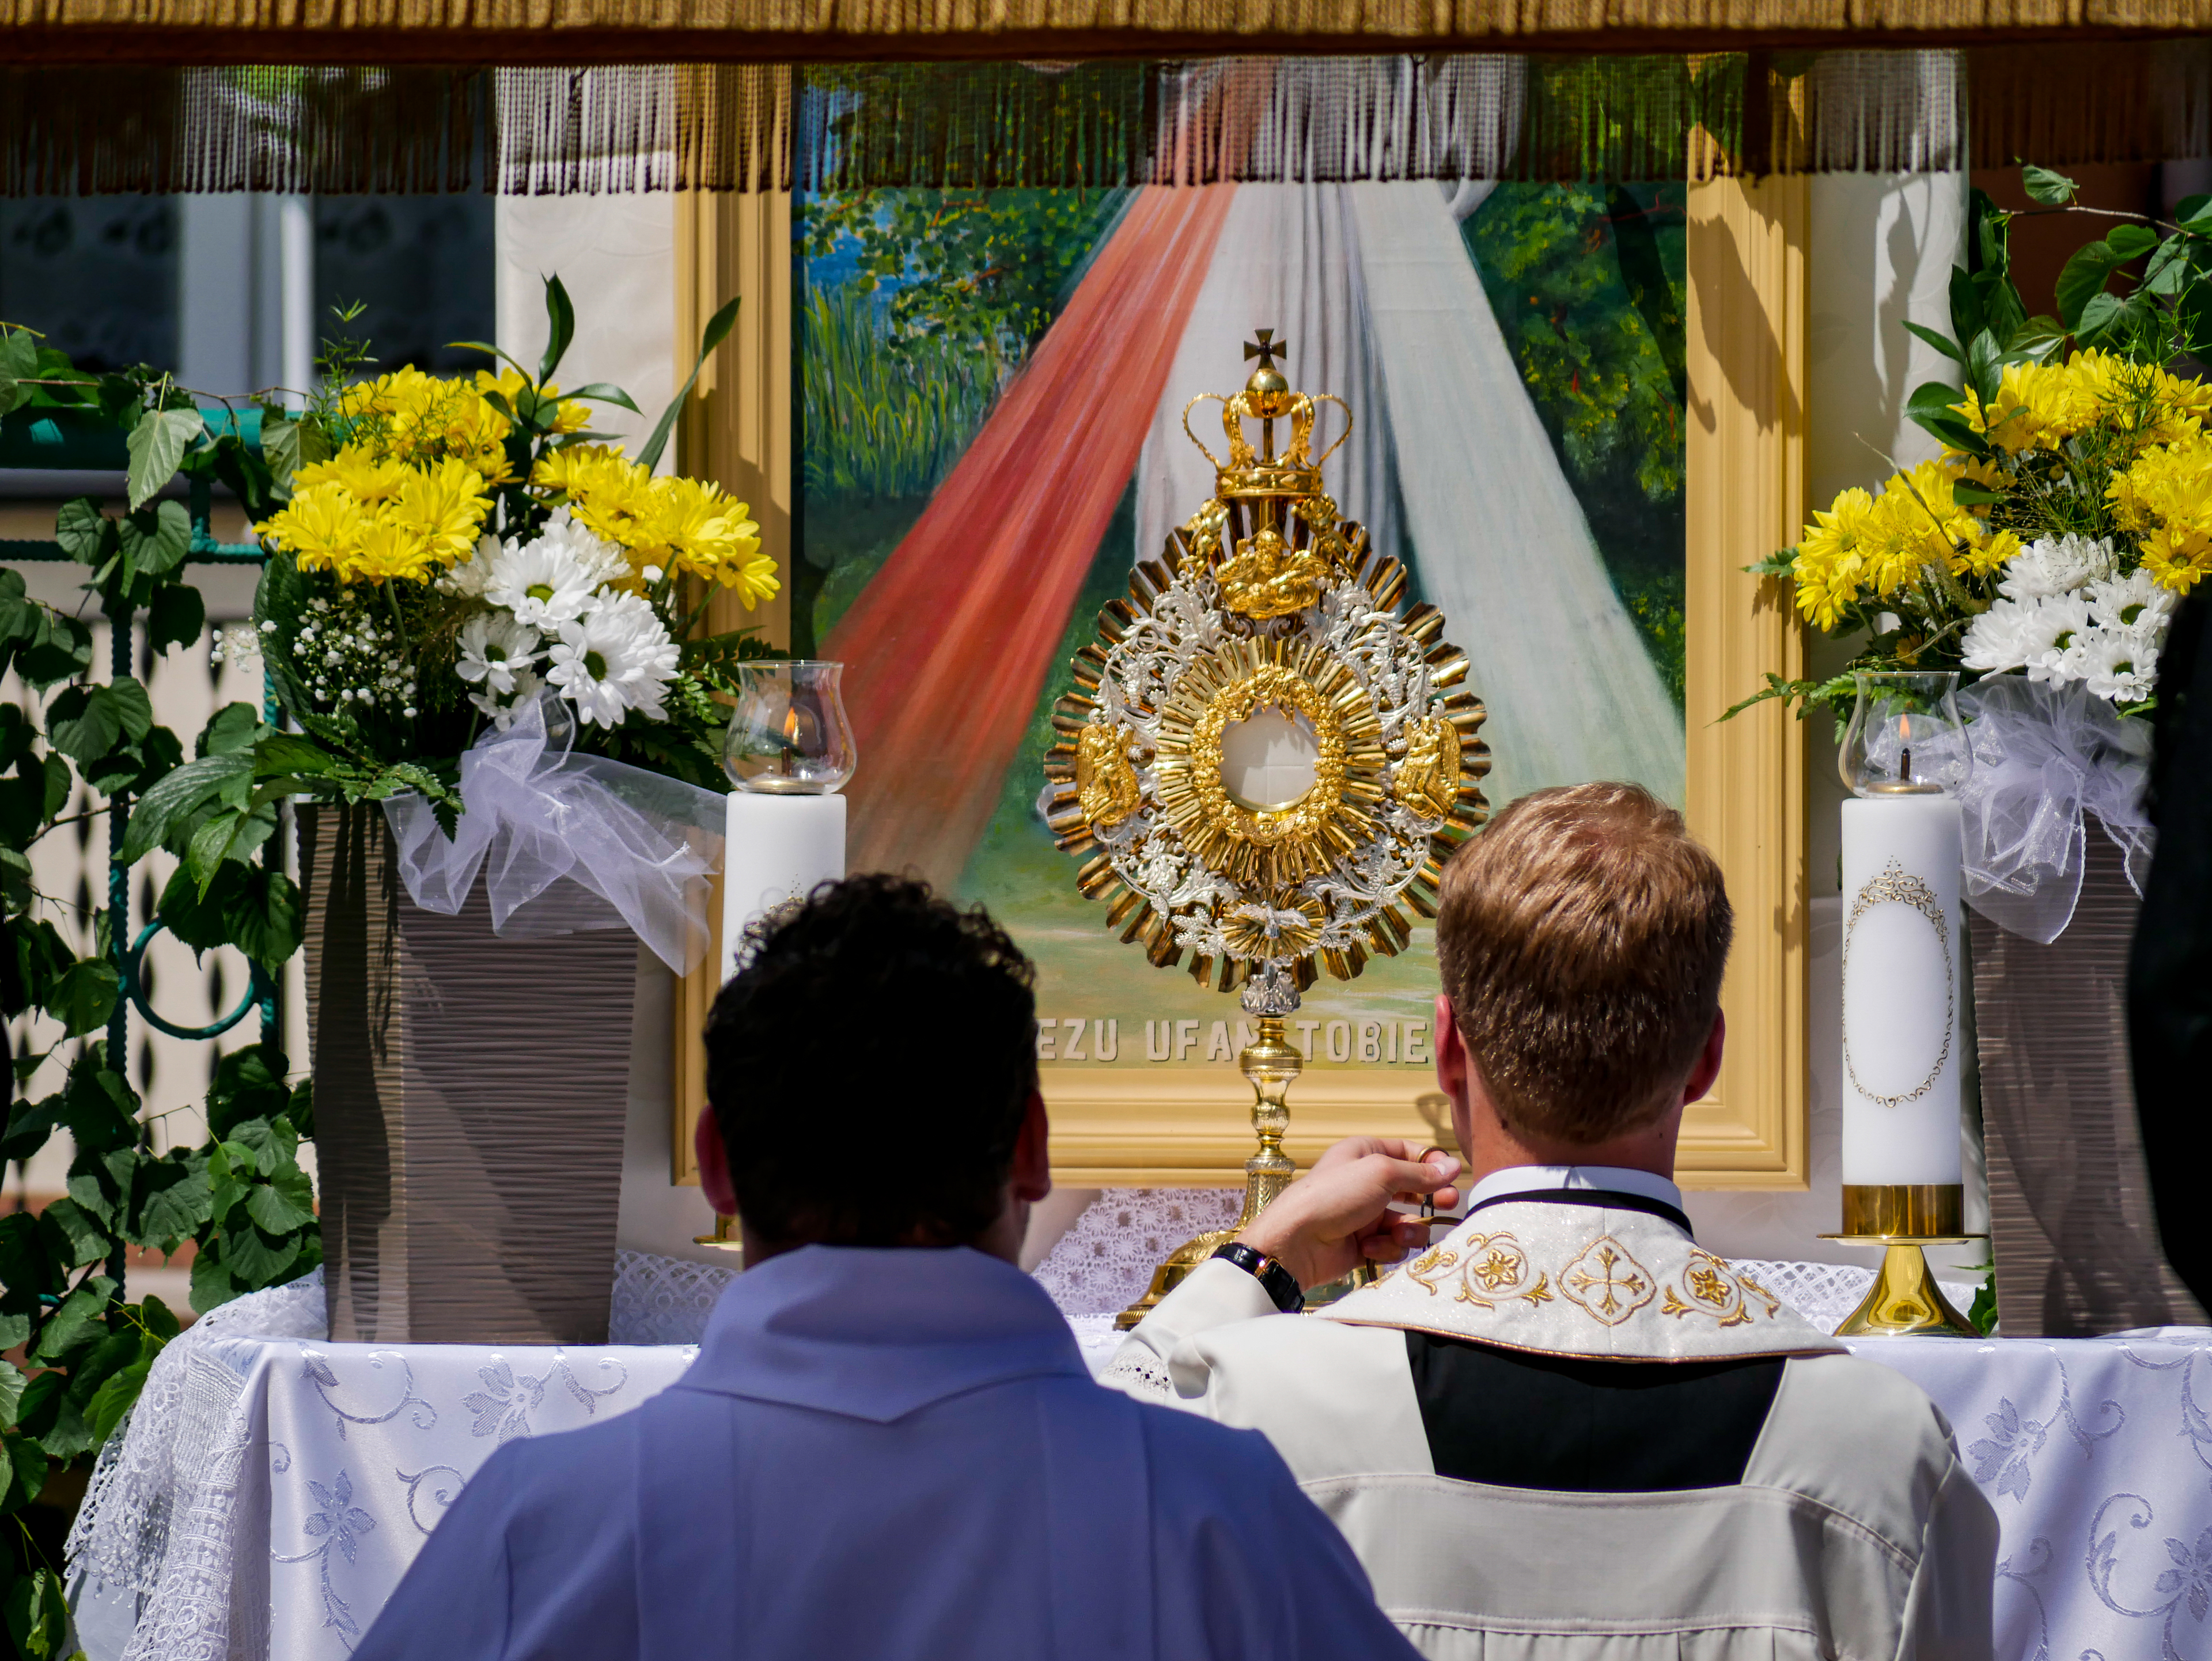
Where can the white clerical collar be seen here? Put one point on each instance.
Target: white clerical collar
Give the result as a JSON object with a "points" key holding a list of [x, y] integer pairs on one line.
{"points": [[1606, 1178]]}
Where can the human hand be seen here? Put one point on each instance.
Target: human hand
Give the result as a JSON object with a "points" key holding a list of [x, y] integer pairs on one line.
{"points": [[1337, 1215]]}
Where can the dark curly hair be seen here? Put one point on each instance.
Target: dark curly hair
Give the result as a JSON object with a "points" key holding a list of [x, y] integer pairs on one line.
{"points": [[872, 1027]]}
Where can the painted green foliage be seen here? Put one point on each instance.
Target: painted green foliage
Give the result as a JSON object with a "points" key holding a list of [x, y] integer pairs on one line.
{"points": [[80, 1353], [1590, 288]]}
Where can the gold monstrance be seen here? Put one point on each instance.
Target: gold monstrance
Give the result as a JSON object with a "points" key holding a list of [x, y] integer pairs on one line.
{"points": [[1266, 628]]}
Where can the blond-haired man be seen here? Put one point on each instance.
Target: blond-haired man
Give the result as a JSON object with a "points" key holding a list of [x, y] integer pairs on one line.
{"points": [[1565, 1429]]}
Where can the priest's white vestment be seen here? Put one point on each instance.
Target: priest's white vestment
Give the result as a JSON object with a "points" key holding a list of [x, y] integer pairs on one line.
{"points": [[882, 1455], [1566, 1431]]}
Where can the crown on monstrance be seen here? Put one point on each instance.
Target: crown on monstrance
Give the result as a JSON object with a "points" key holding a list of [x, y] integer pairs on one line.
{"points": [[1292, 540]]}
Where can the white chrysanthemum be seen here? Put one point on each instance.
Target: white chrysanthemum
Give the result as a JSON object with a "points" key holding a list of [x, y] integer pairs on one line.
{"points": [[550, 582], [2132, 602], [494, 646], [2056, 565], [2052, 636], [2119, 663], [468, 578], [614, 658], [1998, 639], [503, 711]]}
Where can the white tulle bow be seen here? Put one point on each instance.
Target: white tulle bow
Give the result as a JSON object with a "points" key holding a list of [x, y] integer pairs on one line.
{"points": [[567, 842], [2044, 758]]}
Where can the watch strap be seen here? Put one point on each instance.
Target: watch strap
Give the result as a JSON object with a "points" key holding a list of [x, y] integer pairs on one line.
{"points": [[1278, 1282]]}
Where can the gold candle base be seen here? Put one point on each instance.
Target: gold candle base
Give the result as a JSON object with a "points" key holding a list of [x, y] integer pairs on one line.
{"points": [[1271, 1064], [724, 1237], [1904, 1300]]}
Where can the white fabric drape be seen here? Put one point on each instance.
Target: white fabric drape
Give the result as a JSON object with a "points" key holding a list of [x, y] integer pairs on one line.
{"points": [[1499, 541], [1286, 261]]}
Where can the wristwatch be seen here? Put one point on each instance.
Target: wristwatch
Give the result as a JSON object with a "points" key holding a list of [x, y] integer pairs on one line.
{"points": [[1278, 1282]]}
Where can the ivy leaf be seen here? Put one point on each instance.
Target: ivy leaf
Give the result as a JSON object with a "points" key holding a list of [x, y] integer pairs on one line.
{"points": [[283, 1203], [2053, 190], [156, 444], [84, 997], [175, 616]]}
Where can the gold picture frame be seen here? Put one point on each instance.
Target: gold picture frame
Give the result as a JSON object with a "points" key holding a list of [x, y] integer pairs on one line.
{"points": [[1746, 785]]}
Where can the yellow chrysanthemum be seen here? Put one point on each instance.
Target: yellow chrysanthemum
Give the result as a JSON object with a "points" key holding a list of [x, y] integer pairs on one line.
{"points": [[388, 550], [2167, 497], [320, 527], [692, 527], [364, 476], [1831, 557], [2037, 407], [1929, 524], [445, 506], [608, 494], [1988, 554]]}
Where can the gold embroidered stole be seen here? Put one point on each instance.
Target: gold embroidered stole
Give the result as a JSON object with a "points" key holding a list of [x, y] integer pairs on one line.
{"points": [[1598, 1281]]}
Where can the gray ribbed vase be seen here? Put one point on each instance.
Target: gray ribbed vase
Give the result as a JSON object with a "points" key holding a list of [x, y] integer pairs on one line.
{"points": [[2070, 1218], [469, 1095]]}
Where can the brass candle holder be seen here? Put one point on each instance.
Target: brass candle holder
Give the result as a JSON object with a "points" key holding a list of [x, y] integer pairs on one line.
{"points": [[1904, 1219]]}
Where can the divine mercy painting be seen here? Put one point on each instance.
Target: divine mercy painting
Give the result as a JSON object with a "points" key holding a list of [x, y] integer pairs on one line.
{"points": [[992, 385]]}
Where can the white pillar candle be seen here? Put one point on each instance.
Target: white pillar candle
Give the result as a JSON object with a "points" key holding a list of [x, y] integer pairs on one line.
{"points": [[778, 847], [1903, 939]]}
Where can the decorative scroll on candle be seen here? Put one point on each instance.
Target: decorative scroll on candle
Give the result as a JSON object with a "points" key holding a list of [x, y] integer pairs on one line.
{"points": [[1898, 886]]}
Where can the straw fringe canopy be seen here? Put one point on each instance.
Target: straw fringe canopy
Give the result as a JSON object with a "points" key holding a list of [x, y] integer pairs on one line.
{"points": [[529, 129]]}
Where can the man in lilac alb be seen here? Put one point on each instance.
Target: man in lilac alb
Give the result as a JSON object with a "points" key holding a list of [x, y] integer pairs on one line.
{"points": [[889, 1445]]}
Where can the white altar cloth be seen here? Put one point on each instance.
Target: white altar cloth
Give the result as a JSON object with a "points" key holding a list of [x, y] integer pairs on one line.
{"points": [[287, 1482]]}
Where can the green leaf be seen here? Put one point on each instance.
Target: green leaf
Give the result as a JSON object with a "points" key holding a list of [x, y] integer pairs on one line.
{"points": [[159, 1320], [284, 1202], [2084, 275], [1985, 366], [248, 906], [78, 1320], [288, 754], [2053, 190], [116, 1397], [27, 1474], [83, 722], [19, 361], [256, 1260], [84, 997], [2130, 242], [155, 540], [1942, 344], [74, 1234], [37, 1617], [559, 328], [86, 534], [14, 1329], [210, 844], [2104, 313], [602, 392], [1967, 491], [212, 1286], [156, 444], [231, 728], [11, 1386], [2038, 340], [249, 1084], [1968, 317], [97, 1103], [280, 446], [716, 331], [175, 616], [173, 1198], [188, 788]]}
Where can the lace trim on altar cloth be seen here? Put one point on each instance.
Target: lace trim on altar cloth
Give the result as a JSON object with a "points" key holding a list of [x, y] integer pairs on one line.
{"points": [[663, 1300], [1105, 1262], [121, 1536], [1824, 1293]]}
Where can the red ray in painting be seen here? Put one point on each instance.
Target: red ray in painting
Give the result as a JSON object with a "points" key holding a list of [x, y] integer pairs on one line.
{"points": [[949, 647]]}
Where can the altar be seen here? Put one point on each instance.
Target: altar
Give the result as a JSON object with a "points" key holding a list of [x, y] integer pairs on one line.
{"points": [[273, 1486]]}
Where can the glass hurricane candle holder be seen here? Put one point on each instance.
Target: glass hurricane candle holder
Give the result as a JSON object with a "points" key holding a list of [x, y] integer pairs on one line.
{"points": [[789, 735], [1906, 737]]}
